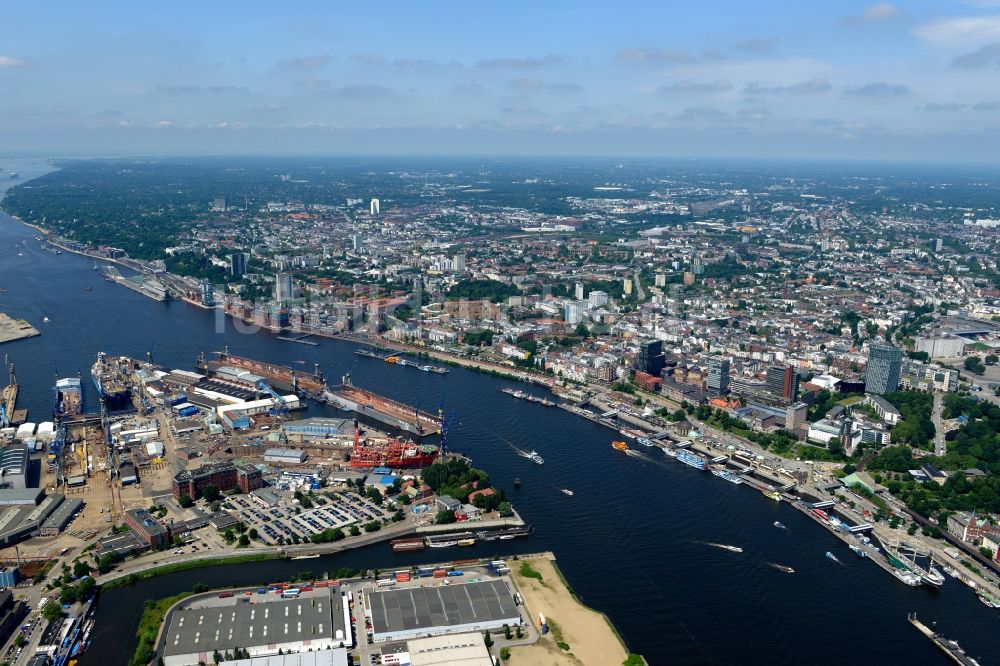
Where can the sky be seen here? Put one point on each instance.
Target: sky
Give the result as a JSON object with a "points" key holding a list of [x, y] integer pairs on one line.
{"points": [[913, 80]]}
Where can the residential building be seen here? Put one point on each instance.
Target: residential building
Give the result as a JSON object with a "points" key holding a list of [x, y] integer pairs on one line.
{"points": [[783, 382]]}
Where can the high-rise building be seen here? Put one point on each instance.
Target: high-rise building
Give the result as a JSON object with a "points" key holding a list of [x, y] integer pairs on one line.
{"points": [[207, 293], [783, 382], [578, 291], [458, 262], [573, 312], [283, 287], [627, 287], [885, 363], [660, 280], [375, 207], [219, 204], [237, 264], [597, 298], [718, 376], [795, 416], [357, 242], [651, 359]]}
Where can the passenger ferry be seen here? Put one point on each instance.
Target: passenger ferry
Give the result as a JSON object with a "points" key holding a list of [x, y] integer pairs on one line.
{"points": [[618, 445], [773, 494], [691, 459]]}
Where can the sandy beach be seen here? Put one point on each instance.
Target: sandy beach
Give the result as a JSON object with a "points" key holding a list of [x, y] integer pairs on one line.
{"points": [[591, 640]]}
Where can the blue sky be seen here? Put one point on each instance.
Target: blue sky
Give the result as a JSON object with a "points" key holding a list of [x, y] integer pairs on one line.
{"points": [[914, 80]]}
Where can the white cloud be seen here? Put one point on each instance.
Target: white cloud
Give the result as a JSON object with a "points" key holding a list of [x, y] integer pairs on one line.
{"points": [[879, 13], [961, 31], [11, 61]]}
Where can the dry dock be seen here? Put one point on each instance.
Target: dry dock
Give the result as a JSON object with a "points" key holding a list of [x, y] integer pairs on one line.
{"points": [[15, 329]]}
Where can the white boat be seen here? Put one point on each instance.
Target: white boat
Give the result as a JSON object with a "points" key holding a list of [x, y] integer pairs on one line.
{"points": [[535, 458], [443, 544], [732, 549], [907, 577], [780, 525], [645, 441], [566, 491]]}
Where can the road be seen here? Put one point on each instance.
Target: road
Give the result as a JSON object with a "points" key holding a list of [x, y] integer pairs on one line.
{"points": [[939, 441]]}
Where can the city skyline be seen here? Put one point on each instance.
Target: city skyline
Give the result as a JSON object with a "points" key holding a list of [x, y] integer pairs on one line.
{"points": [[903, 81]]}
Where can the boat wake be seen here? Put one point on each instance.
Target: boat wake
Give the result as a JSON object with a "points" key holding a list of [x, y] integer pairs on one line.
{"points": [[723, 546]]}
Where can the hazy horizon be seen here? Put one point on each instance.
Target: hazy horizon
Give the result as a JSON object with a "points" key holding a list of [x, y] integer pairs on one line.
{"points": [[856, 80]]}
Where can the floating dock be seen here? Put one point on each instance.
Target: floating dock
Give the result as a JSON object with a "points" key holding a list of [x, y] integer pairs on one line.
{"points": [[949, 647], [278, 376], [384, 411]]}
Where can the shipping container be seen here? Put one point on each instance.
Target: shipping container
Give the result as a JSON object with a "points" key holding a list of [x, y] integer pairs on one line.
{"points": [[225, 595], [456, 573], [440, 573]]}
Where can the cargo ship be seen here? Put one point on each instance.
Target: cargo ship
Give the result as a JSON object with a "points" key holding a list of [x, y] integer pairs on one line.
{"points": [[619, 446], [408, 545], [391, 452], [279, 376], [111, 381], [691, 459], [69, 397]]}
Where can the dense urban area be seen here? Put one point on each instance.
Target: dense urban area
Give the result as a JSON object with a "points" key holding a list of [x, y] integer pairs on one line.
{"points": [[830, 339]]}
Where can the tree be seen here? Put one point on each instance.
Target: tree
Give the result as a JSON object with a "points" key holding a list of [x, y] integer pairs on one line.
{"points": [[81, 569], [445, 516], [974, 365], [355, 531], [504, 653], [244, 541], [52, 611], [506, 509], [992, 359], [253, 533], [488, 639], [210, 493], [185, 501]]}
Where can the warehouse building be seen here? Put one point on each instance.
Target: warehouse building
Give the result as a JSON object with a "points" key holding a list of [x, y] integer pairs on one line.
{"points": [[313, 621], [427, 611], [24, 521], [465, 649], [318, 428], [59, 519], [334, 657], [14, 463], [285, 456]]}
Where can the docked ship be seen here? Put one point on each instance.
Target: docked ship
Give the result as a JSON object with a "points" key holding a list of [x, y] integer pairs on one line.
{"points": [[391, 452], [645, 441], [69, 397], [691, 459], [773, 494], [619, 446], [279, 377], [111, 381], [726, 475], [903, 557], [860, 552]]}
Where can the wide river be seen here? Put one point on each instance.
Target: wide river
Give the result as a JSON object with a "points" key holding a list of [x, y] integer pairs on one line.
{"points": [[631, 541]]}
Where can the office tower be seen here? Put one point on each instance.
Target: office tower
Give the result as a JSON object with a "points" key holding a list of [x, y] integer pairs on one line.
{"points": [[651, 359], [578, 293], [783, 382], [283, 287], [885, 363], [375, 207], [237, 264], [357, 242], [795, 416], [598, 298], [458, 263], [718, 376]]}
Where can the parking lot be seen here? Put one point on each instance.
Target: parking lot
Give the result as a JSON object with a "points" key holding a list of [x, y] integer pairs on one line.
{"points": [[287, 521]]}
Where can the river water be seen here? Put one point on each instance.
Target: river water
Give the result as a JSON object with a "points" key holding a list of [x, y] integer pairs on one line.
{"points": [[631, 541]]}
